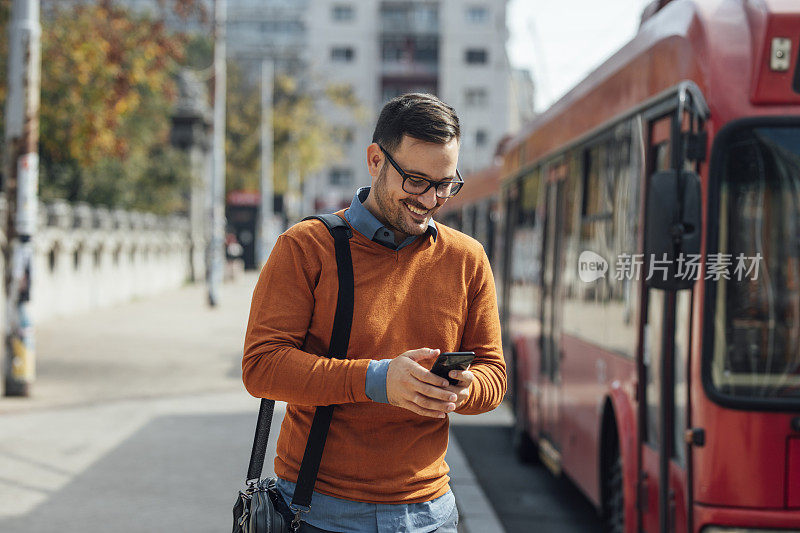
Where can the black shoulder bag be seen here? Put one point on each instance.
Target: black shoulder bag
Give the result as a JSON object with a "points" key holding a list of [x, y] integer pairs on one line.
{"points": [[260, 508]]}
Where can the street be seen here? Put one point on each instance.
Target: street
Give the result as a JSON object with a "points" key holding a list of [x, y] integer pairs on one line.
{"points": [[524, 497], [138, 422]]}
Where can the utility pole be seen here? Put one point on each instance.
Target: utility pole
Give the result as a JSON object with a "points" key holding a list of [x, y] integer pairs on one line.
{"points": [[293, 199], [266, 230], [217, 192], [21, 191]]}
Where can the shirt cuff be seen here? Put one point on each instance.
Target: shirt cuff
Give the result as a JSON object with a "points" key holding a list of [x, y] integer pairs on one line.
{"points": [[375, 385]]}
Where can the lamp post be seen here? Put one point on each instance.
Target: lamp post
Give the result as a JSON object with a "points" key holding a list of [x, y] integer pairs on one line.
{"points": [[266, 216], [21, 191], [217, 192], [191, 125]]}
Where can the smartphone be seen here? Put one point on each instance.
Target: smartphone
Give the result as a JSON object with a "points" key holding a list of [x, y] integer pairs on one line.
{"points": [[452, 361]]}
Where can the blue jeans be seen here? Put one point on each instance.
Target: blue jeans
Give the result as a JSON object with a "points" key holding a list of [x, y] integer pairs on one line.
{"points": [[450, 526]]}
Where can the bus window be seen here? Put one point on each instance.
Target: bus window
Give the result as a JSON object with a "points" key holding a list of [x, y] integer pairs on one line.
{"points": [[470, 219], [683, 314], [493, 223], [526, 258], [480, 225], [652, 361], [757, 309], [653, 347], [661, 156], [608, 221]]}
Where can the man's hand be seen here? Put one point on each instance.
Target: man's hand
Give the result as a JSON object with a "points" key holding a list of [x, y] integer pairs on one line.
{"points": [[465, 379], [411, 386]]}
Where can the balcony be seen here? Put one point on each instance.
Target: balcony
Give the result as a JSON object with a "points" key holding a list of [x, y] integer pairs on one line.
{"points": [[409, 68], [409, 56]]}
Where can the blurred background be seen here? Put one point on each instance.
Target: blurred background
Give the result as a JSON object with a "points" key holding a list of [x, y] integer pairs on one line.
{"points": [[153, 151]]}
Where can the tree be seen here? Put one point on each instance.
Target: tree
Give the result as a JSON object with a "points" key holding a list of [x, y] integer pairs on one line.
{"points": [[243, 132], [107, 92], [301, 136], [107, 89]]}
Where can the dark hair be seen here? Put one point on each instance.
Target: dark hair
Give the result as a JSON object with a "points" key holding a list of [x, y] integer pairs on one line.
{"points": [[418, 115]]}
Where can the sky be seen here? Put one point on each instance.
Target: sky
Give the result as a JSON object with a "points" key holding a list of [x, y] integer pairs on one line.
{"points": [[561, 41]]}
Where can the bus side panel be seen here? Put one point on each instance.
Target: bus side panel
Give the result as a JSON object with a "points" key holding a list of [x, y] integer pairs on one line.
{"points": [[742, 463], [752, 518], [528, 364], [588, 373]]}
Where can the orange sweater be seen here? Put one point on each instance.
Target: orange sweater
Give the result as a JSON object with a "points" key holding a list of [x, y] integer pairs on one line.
{"points": [[428, 294]]}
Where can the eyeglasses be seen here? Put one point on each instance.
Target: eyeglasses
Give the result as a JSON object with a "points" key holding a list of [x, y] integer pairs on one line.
{"points": [[414, 184]]}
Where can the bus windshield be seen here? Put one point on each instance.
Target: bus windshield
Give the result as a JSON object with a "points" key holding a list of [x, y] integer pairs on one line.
{"points": [[756, 301]]}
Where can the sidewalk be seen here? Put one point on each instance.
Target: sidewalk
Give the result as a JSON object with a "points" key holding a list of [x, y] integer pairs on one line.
{"points": [[138, 422], [168, 345]]}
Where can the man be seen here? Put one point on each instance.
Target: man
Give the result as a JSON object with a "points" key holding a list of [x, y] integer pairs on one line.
{"points": [[421, 288]]}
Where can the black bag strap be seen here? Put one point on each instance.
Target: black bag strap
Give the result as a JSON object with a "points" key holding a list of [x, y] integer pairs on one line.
{"points": [[260, 440], [340, 338]]}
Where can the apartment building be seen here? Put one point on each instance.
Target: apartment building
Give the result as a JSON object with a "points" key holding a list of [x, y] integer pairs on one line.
{"points": [[382, 48], [257, 30], [452, 48]]}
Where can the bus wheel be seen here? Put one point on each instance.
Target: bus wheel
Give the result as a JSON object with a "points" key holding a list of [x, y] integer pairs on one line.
{"points": [[524, 446], [613, 499]]}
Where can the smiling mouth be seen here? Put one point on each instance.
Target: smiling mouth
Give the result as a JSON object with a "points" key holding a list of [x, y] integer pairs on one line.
{"points": [[417, 211]]}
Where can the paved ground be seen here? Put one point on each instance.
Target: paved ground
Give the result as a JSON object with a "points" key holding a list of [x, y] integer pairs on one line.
{"points": [[138, 422], [526, 498], [172, 344]]}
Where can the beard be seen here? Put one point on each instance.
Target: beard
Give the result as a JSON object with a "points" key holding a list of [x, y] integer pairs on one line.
{"points": [[395, 215]]}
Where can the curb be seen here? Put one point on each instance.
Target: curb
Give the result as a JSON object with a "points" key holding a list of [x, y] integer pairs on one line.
{"points": [[476, 514]]}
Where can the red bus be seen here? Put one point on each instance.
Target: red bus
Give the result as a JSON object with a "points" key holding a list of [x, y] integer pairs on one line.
{"points": [[673, 406]]}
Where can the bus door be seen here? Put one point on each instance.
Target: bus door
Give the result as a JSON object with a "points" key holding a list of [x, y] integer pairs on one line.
{"points": [[550, 375], [663, 389]]}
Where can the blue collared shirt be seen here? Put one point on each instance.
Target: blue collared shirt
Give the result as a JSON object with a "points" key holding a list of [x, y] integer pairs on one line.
{"points": [[336, 514], [370, 227]]}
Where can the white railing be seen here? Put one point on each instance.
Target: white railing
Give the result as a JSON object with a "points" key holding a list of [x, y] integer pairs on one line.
{"points": [[87, 257]]}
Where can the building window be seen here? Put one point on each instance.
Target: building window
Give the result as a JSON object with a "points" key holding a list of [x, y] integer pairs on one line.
{"points": [[477, 15], [412, 18], [288, 27], [477, 97], [477, 56], [341, 176], [481, 138], [342, 54], [419, 51], [343, 13]]}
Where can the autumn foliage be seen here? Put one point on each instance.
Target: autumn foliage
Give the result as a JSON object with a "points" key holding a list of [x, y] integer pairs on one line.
{"points": [[108, 90], [108, 68]]}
